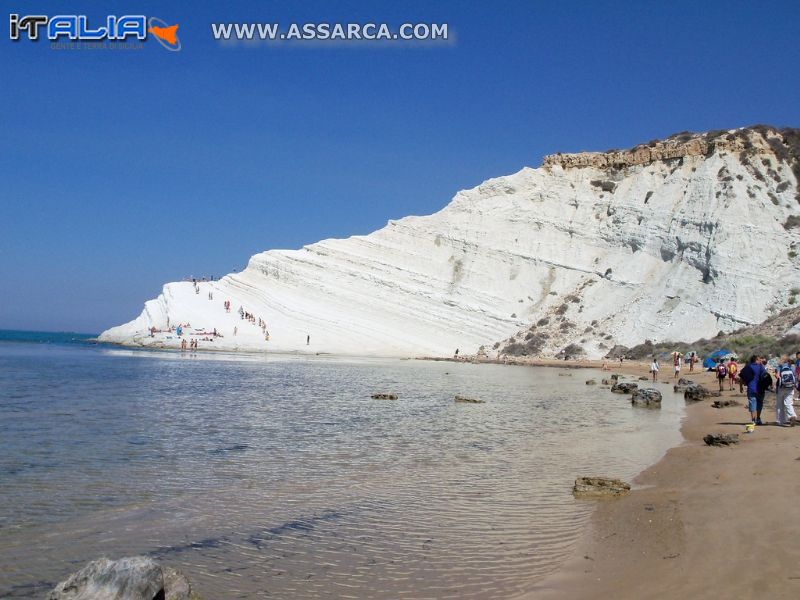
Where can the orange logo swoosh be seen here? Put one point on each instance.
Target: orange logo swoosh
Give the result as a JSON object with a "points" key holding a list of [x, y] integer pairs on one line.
{"points": [[168, 34]]}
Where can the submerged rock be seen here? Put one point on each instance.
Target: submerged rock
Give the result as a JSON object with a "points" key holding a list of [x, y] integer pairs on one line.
{"points": [[591, 382], [683, 381], [132, 578], [695, 392], [624, 387], [649, 398], [469, 400], [599, 487], [384, 396], [643, 378], [614, 376], [605, 382], [721, 439]]}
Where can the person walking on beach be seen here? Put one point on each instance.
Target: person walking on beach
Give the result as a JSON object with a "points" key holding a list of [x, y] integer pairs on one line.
{"points": [[733, 369], [764, 384], [751, 374], [722, 373], [676, 364], [785, 386], [654, 369], [692, 360]]}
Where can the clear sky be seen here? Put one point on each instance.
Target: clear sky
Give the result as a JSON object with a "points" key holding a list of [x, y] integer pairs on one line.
{"points": [[122, 170]]}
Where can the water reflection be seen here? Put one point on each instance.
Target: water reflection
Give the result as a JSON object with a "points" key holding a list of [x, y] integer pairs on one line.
{"points": [[281, 477]]}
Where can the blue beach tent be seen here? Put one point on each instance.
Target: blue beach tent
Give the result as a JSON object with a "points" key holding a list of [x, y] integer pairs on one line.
{"points": [[711, 361]]}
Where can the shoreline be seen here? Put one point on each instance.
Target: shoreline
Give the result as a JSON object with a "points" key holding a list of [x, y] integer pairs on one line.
{"points": [[701, 522]]}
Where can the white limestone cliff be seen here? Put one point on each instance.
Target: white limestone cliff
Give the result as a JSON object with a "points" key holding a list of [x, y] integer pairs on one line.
{"points": [[674, 240]]}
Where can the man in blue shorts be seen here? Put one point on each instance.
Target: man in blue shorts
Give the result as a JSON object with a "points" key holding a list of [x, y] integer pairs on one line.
{"points": [[751, 375]]}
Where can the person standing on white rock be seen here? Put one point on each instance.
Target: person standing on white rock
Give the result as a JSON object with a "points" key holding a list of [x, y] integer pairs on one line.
{"points": [[785, 386]]}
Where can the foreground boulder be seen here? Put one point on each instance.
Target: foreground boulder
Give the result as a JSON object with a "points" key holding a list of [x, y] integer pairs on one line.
{"points": [[648, 398], [695, 392], [721, 439], [624, 387], [469, 400], [384, 396], [599, 487], [132, 578]]}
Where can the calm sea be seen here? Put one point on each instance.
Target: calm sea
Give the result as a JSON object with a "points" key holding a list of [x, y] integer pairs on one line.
{"points": [[279, 477]]}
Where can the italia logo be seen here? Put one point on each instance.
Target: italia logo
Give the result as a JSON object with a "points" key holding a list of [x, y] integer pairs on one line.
{"points": [[78, 28]]}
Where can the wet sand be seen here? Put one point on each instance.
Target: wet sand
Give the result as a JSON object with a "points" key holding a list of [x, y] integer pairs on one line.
{"points": [[703, 522]]}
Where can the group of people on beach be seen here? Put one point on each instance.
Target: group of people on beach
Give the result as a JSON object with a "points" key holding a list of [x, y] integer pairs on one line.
{"points": [[677, 363], [190, 344], [759, 377]]}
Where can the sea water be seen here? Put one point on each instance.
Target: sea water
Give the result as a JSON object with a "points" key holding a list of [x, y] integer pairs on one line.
{"points": [[264, 476]]}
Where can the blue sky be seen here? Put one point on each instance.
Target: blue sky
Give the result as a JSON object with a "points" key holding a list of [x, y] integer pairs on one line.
{"points": [[125, 170]]}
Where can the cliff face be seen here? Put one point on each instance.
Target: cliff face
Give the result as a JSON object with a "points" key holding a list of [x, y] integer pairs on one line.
{"points": [[676, 239]]}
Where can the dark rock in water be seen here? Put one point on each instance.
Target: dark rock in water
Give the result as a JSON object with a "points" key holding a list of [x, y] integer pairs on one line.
{"points": [[605, 382], [643, 378], [679, 389], [591, 382], [624, 387], [683, 381], [132, 578], [649, 398], [384, 396], [614, 376], [469, 400], [724, 403], [695, 392], [565, 374], [599, 487], [721, 439]]}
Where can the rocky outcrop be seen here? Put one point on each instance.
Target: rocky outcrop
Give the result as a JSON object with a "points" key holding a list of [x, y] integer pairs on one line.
{"points": [[648, 398], [753, 139], [624, 387], [599, 487], [721, 439], [133, 578]]}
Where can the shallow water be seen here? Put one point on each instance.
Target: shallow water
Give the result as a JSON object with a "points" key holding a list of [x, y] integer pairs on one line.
{"points": [[280, 477]]}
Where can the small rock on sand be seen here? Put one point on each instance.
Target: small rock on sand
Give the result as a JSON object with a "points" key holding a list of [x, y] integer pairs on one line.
{"points": [[724, 403], [599, 487], [384, 396], [695, 392], [721, 439]]}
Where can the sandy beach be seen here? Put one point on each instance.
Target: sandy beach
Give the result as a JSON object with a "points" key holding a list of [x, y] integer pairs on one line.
{"points": [[703, 522]]}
